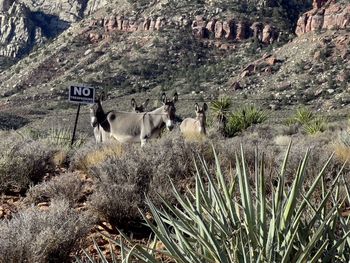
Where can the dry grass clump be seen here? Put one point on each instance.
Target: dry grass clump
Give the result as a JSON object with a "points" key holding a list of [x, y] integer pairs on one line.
{"points": [[282, 140], [342, 145], [66, 186], [24, 162], [39, 236], [194, 137], [92, 154]]}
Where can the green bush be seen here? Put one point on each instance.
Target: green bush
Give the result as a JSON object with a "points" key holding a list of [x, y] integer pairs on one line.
{"points": [[310, 122], [244, 118], [316, 125]]}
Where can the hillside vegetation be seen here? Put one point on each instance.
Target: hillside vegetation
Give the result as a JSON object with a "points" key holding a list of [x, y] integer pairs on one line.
{"points": [[268, 182]]}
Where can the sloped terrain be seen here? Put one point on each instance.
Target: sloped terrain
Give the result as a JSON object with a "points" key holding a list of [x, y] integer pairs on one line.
{"points": [[244, 50]]}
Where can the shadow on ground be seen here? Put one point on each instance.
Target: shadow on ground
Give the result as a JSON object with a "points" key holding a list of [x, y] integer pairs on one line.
{"points": [[11, 122]]}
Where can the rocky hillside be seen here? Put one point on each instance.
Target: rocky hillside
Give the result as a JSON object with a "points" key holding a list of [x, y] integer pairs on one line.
{"points": [[25, 24], [255, 51]]}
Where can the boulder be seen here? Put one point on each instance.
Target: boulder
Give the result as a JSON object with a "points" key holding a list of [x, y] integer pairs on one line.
{"points": [[330, 16], [242, 31], [159, 23], [5, 5], [120, 22], [318, 3], [257, 30], [111, 24], [228, 29], [211, 25], [269, 34], [219, 31], [146, 24]]}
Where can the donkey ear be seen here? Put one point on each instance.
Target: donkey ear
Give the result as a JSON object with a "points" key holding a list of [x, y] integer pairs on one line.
{"points": [[145, 103], [205, 106], [196, 107], [133, 103], [176, 97], [163, 98]]}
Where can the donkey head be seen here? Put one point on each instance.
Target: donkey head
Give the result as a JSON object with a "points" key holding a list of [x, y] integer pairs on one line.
{"points": [[169, 110], [140, 108]]}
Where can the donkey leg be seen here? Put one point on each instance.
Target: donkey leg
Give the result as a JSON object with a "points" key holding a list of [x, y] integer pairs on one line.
{"points": [[143, 142]]}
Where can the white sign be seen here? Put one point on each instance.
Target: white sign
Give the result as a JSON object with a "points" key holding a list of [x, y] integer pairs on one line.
{"points": [[81, 94]]}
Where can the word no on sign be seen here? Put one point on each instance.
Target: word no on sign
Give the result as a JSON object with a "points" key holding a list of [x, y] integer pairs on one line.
{"points": [[81, 94]]}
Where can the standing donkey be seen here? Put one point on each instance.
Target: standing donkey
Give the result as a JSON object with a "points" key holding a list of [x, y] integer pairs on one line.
{"points": [[139, 127], [197, 125]]}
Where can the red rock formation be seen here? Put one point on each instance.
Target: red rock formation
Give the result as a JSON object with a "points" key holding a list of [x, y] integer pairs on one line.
{"points": [[228, 28], [324, 16], [211, 25], [219, 31], [241, 31], [268, 35], [257, 30], [318, 3]]}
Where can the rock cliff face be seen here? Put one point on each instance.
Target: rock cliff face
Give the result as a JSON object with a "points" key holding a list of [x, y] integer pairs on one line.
{"points": [[324, 15], [25, 23], [65, 10], [17, 31], [231, 29]]}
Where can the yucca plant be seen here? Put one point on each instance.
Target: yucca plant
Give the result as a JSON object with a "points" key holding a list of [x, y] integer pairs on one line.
{"points": [[244, 118], [225, 220], [303, 116], [220, 108], [316, 125]]}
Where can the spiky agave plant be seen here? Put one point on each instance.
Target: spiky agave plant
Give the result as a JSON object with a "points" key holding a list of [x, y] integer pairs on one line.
{"points": [[234, 221], [220, 109]]}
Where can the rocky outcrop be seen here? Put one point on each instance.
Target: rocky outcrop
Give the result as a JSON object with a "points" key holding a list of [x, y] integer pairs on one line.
{"points": [[65, 10], [230, 29], [263, 65], [325, 15], [233, 29], [17, 31]]}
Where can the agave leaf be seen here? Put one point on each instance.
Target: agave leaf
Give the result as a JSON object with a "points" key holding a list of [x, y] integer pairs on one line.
{"points": [[280, 186], [223, 185], [319, 252], [316, 236], [245, 196], [290, 206], [332, 250]]}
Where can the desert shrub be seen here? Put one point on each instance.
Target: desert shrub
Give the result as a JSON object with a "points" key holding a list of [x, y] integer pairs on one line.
{"points": [[62, 137], [39, 236], [234, 221], [66, 186], [121, 181], [23, 163]]}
